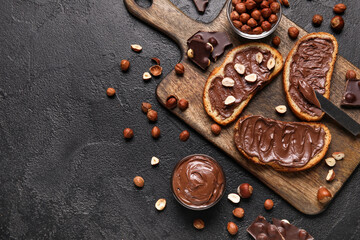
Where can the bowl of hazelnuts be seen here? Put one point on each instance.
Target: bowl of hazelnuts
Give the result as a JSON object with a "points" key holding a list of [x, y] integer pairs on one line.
{"points": [[254, 19]]}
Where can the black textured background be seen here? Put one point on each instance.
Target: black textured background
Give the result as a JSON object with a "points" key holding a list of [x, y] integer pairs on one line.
{"points": [[66, 171]]}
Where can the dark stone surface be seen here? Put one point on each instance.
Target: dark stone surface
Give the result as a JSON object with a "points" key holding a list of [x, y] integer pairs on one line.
{"points": [[66, 171]]}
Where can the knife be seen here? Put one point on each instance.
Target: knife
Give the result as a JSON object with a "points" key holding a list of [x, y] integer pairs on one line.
{"points": [[338, 115]]}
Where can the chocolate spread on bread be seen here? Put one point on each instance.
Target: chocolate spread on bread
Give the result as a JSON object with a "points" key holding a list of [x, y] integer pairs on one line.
{"points": [[310, 64], [290, 144], [242, 88]]}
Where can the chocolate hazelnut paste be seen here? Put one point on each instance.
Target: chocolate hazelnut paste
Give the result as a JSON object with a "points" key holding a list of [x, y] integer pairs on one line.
{"points": [[198, 181], [310, 64], [290, 144], [242, 89]]}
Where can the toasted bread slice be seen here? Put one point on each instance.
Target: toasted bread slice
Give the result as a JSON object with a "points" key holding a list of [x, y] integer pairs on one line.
{"points": [[219, 72], [275, 164], [286, 75]]}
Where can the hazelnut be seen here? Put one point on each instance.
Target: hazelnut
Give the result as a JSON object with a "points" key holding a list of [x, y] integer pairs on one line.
{"points": [[155, 70], [156, 60], [154, 161], [145, 107], [136, 47], [281, 109], [183, 104], [264, 4], [240, 8], [230, 100], [293, 32], [250, 78], [152, 115], [155, 132], [350, 74], [237, 24], [215, 129], [256, 14], [250, 4], [270, 63], [160, 204], [338, 156], [124, 65], [128, 133], [273, 18], [234, 198], [146, 76], [234, 15], [268, 204], [184, 136], [262, 19], [232, 228], [171, 102], [244, 17], [330, 161], [317, 20], [245, 190], [323, 195], [179, 69], [275, 7], [276, 41], [199, 224], [337, 23], [234, 2], [138, 181], [252, 23], [339, 8], [286, 3], [190, 53], [266, 26], [331, 175], [110, 92], [238, 212], [266, 12], [245, 28], [258, 30]]}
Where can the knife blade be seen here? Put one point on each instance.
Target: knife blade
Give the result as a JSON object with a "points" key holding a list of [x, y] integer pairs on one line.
{"points": [[338, 115]]}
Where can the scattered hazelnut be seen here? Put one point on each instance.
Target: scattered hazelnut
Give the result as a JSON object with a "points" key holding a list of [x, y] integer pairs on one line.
{"points": [[183, 104], [124, 65], [245, 28], [330, 161], [350, 74], [273, 18], [244, 17], [240, 8], [266, 12], [136, 47], [245, 190], [160, 204], [215, 129], [252, 23], [257, 30], [184, 136], [293, 32], [238, 212], [276, 41], [268, 204], [234, 198], [156, 60], [138, 181], [317, 20], [146, 76], [232, 228], [339, 8], [154, 161], [229, 100], [338, 156], [286, 3], [145, 107], [331, 175], [266, 25], [179, 69], [275, 7], [337, 23], [128, 133], [234, 15], [171, 102], [256, 14], [323, 195], [155, 70], [199, 224], [250, 4], [152, 115], [234, 2], [155, 132], [265, 4], [237, 24], [281, 109], [110, 92]]}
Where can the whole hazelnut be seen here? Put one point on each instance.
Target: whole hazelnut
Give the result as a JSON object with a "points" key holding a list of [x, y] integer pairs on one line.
{"points": [[266, 12], [234, 2], [252, 23], [110, 92], [238, 212], [240, 8], [171, 102], [276, 41], [232, 228], [268, 204], [215, 129], [179, 69], [139, 181], [155, 132], [350, 74], [262, 19], [183, 104], [128, 133], [275, 7], [245, 190], [152, 115], [286, 3], [323, 195], [264, 4], [339, 8], [237, 24], [257, 30], [199, 224], [124, 65], [317, 20], [145, 107], [250, 4], [266, 26], [245, 28], [273, 18], [244, 17], [234, 15], [337, 23], [184, 136], [293, 32], [256, 14]]}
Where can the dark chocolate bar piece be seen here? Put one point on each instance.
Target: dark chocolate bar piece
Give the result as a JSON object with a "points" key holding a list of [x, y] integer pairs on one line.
{"points": [[261, 229], [351, 96], [201, 5], [199, 52], [290, 232]]}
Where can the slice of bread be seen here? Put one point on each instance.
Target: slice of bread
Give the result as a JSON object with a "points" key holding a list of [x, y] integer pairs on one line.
{"points": [[219, 72], [274, 164], [286, 75]]}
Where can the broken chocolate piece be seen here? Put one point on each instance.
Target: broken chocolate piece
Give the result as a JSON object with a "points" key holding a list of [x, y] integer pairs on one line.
{"points": [[201, 51], [201, 5], [352, 94], [219, 40], [260, 229], [290, 232]]}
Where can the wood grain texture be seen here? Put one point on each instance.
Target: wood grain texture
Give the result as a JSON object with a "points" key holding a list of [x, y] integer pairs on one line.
{"points": [[299, 189]]}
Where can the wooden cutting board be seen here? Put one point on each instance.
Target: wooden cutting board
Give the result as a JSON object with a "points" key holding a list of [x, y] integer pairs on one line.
{"points": [[299, 189]]}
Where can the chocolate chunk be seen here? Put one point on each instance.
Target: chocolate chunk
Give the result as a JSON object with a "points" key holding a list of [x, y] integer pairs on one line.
{"points": [[260, 229], [201, 5], [352, 94], [291, 232], [201, 52], [219, 40]]}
